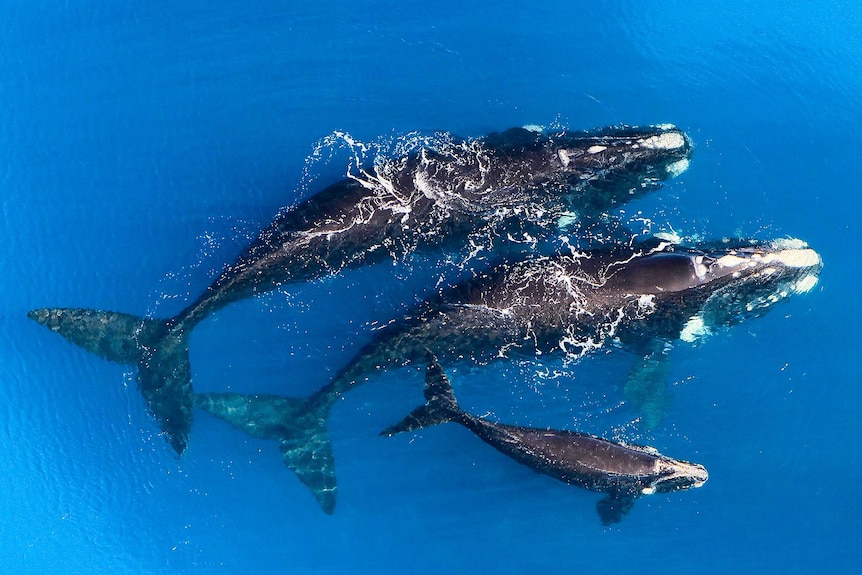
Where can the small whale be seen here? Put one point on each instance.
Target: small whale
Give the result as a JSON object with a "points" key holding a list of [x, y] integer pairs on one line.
{"points": [[440, 195], [548, 306], [623, 471]]}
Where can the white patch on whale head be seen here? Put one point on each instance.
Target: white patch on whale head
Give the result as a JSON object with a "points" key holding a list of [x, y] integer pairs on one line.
{"points": [[678, 167], [731, 261], [666, 141], [794, 258], [700, 270], [596, 149], [534, 128], [805, 284]]}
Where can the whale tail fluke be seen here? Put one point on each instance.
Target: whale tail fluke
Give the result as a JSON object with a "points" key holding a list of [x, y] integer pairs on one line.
{"points": [[298, 424], [440, 404], [161, 355]]}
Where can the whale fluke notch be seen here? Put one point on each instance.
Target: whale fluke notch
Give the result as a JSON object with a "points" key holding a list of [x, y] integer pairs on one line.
{"points": [[160, 354], [299, 425]]}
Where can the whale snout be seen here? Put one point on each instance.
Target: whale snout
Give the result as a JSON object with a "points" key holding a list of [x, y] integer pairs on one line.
{"points": [[678, 475]]}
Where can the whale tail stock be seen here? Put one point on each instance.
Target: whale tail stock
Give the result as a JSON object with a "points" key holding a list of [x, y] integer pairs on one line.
{"points": [[298, 424], [159, 352], [440, 404]]}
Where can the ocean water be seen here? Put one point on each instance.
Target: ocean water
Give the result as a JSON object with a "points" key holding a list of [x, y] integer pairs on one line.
{"points": [[143, 144]]}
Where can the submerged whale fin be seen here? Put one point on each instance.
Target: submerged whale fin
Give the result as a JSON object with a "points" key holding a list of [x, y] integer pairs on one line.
{"points": [[615, 506], [161, 355], [440, 404], [299, 425], [311, 458], [647, 384]]}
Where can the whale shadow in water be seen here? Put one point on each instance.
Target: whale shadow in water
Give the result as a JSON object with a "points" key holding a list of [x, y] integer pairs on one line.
{"points": [[439, 195]]}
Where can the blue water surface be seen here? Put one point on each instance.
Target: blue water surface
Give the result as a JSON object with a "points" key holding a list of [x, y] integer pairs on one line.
{"points": [[143, 143]]}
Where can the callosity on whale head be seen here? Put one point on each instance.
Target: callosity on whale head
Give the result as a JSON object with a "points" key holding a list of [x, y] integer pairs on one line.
{"points": [[663, 149]]}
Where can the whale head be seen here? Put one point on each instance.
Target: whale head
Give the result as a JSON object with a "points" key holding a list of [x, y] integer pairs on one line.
{"points": [[749, 280], [620, 164], [676, 475], [695, 289]]}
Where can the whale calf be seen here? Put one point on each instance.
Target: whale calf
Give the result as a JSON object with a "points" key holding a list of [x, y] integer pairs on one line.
{"points": [[624, 472], [542, 306], [438, 195]]}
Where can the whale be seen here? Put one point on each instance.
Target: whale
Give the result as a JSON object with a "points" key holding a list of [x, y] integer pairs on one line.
{"points": [[624, 472], [562, 306], [438, 195]]}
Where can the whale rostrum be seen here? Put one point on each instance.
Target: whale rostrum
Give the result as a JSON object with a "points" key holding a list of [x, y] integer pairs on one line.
{"points": [[440, 194]]}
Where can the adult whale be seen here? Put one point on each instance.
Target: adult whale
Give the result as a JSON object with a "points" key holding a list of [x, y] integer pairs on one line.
{"points": [[541, 306], [623, 471], [439, 194]]}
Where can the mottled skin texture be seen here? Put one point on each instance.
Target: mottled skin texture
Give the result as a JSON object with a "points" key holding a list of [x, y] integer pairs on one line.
{"points": [[436, 196], [622, 471]]}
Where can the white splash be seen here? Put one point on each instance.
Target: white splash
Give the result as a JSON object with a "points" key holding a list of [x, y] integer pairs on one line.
{"points": [[694, 329]]}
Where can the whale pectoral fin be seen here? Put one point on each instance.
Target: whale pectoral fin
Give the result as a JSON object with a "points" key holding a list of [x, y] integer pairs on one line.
{"points": [[310, 457], [615, 506], [647, 384]]}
